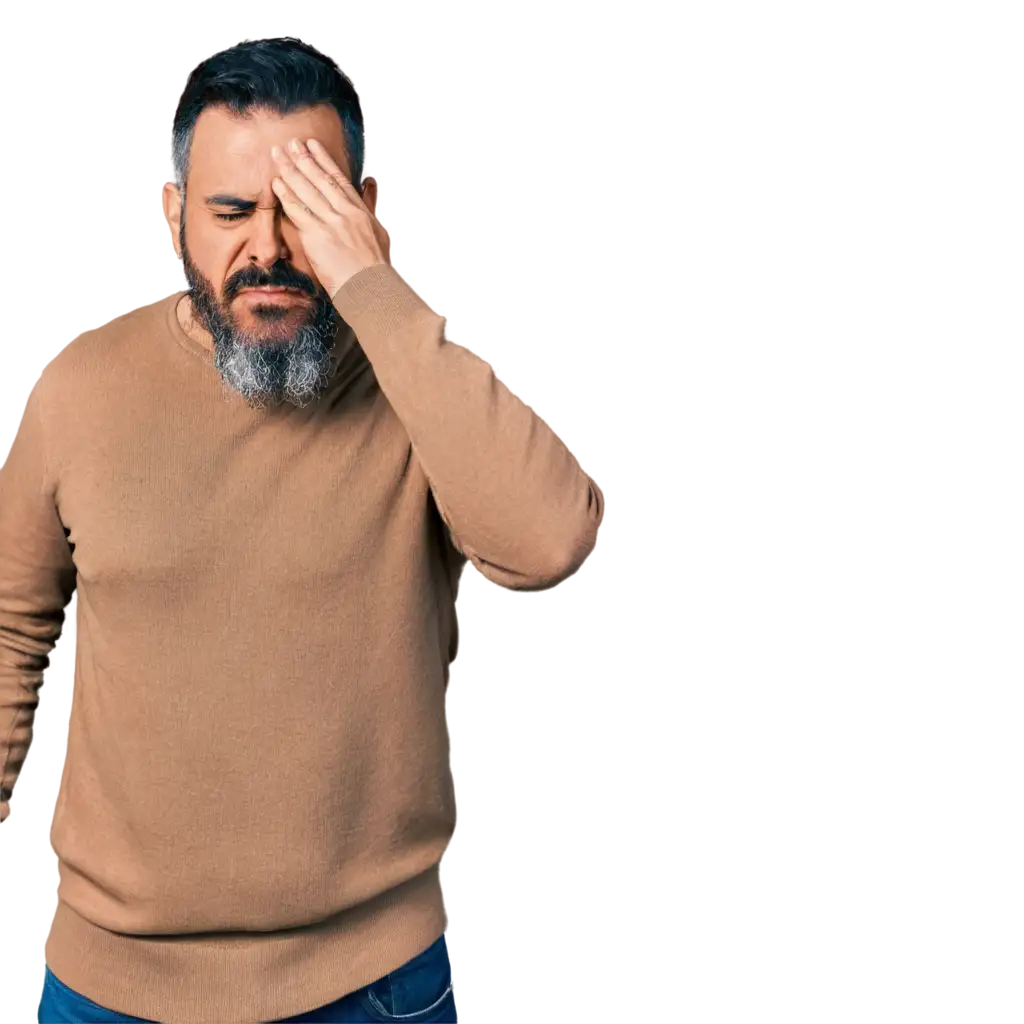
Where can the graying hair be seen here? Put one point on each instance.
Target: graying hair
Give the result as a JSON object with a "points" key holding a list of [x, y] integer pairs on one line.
{"points": [[279, 75]]}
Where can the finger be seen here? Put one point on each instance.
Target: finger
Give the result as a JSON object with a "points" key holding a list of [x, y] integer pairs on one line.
{"points": [[339, 187], [298, 181], [306, 163], [298, 212]]}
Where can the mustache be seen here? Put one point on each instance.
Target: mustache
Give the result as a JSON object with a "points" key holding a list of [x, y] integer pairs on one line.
{"points": [[281, 275]]}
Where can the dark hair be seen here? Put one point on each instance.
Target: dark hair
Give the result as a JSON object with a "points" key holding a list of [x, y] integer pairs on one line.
{"points": [[282, 75]]}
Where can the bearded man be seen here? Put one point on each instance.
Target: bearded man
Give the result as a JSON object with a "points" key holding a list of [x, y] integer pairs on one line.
{"points": [[264, 489]]}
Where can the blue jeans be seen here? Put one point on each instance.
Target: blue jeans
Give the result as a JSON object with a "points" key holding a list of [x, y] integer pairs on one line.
{"points": [[418, 991]]}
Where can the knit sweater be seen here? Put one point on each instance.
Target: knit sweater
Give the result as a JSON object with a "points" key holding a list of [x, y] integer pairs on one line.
{"points": [[257, 789]]}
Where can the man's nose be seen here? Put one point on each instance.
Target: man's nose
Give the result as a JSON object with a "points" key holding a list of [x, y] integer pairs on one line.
{"points": [[266, 239]]}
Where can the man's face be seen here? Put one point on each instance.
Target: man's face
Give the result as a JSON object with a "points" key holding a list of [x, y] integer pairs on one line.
{"points": [[252, 288]]}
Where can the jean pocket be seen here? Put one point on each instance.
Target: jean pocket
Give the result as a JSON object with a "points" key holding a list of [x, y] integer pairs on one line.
{"points": [[419, 990]]}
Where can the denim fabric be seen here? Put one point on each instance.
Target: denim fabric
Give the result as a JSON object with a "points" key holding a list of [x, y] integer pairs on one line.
{"points": [[418, 991]]}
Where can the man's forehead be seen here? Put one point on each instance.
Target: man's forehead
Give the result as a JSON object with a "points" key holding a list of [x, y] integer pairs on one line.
{"points": [[240, 144]]}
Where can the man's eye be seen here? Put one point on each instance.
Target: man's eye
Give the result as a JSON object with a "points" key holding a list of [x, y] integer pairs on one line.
{"points": [[229, 216]]}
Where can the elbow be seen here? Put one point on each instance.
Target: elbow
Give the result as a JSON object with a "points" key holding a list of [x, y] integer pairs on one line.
{"points": [[563, 558], [575, 550]]}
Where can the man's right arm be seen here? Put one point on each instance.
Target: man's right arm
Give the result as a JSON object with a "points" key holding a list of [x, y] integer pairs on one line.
{"points": [[37, 580]]}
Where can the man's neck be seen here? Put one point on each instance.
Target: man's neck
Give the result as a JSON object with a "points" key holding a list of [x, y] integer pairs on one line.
{"points": [[195, 330]]}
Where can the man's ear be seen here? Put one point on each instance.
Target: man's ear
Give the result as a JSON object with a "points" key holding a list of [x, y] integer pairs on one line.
{"points": [[172, 212], [369, 194]]}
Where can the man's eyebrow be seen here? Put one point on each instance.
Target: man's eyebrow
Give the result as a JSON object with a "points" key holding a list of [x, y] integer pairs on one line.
{"points": [[225, 200]]}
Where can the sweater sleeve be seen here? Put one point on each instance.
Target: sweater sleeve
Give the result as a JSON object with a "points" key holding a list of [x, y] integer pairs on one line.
{"points": [[37, 580], [514, 499]]}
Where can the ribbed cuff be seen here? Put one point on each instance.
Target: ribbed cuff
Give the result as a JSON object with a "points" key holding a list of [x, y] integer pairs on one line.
{"points": [[377, 301]]}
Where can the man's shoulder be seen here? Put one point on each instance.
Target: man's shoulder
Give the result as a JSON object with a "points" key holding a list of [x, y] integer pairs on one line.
{"points": [[99, 351]]}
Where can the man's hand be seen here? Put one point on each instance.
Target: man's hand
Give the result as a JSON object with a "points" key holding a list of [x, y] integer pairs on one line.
{"points": [[339, 234]]}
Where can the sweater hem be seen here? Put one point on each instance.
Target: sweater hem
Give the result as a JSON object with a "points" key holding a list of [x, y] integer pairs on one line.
{"points": [[246, 977]]}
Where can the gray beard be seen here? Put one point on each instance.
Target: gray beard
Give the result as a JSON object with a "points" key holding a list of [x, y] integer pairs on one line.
{"points": [[295, 370]]}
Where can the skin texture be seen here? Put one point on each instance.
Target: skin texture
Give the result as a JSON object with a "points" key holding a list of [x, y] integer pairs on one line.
{"points": [[310, 231]]}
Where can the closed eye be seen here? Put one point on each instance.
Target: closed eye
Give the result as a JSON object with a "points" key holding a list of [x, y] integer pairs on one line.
{"points": [[229, 216]]}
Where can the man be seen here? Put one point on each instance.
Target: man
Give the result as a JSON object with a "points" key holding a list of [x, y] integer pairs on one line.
{"points": [[264, 489]]}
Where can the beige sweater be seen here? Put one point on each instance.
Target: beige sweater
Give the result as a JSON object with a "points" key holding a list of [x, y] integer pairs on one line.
{"points": [[257, 792]]}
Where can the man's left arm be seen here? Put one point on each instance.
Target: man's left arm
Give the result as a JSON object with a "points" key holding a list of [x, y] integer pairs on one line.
{"points": [[515, 500]]}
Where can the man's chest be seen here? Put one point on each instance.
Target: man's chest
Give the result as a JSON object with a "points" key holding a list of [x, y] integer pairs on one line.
{"points": [[149, 500]]}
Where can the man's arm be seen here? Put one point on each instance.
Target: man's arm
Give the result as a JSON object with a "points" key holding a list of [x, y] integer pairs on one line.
{"points": [[515, 500], [37, 580]]}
